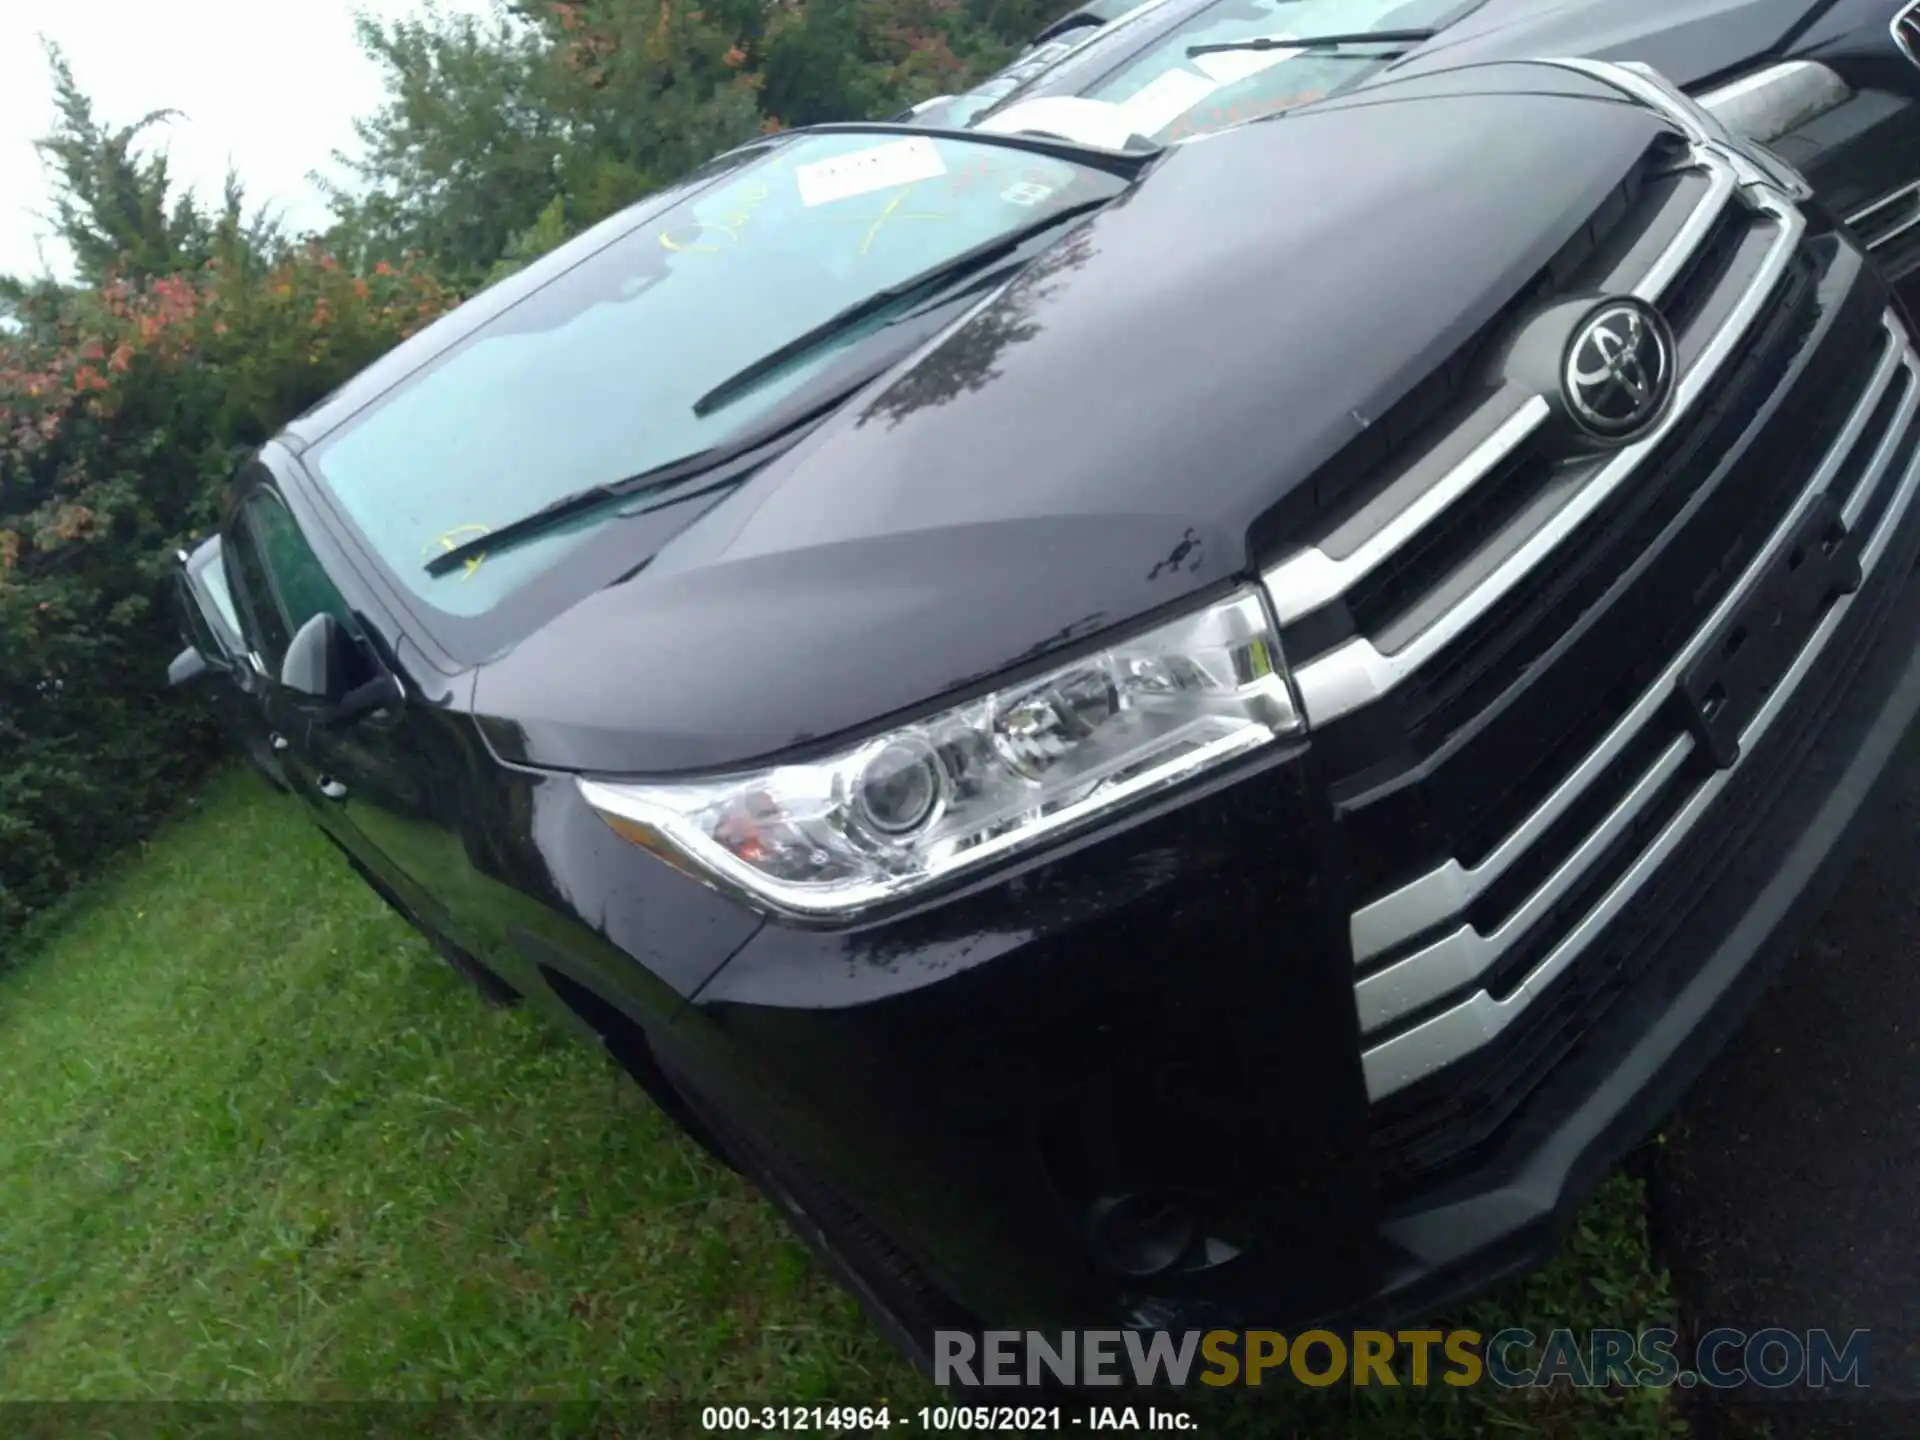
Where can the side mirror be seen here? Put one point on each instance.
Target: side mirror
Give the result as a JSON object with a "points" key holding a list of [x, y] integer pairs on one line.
{"points": [[188, 666], [330, 671]]}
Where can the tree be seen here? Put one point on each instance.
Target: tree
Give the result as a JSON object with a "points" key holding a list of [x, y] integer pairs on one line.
{"points": [[125, 403], [116, 207], [491, 123], [465, 153], [502, 137]]}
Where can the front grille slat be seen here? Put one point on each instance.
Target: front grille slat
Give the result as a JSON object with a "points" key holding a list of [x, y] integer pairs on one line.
{"points": [[1896, 435], [1684, 484], [1527, 802], [1418, 496], [1888, 218], [1687, 274]]}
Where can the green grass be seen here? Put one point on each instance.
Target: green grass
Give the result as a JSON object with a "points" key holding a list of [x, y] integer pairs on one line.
{"points": [[257, 1143]]}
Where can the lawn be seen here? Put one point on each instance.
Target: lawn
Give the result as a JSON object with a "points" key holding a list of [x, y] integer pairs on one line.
{"points": [[256, 1143]]}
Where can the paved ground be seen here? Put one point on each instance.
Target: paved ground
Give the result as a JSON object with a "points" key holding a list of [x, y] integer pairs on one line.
{"points": [[1788, 1192]]}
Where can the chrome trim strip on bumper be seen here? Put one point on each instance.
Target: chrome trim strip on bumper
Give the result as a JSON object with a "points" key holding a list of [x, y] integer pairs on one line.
{"points": [[1308, 579], [1908, 194], [1434, 1043], [1356, 674], [1464, 956], [1428, 901], [1889, 443]]}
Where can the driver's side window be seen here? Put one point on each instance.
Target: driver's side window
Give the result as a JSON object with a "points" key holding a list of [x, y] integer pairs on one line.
{"points": [[278, 579], [197, 631]]}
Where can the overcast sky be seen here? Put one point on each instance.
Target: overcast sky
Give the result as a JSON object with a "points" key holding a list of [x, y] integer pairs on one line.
{"points": [[270, 85]]}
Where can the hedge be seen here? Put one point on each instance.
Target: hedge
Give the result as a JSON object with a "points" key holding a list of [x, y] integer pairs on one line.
{"points": [[124, 409]]}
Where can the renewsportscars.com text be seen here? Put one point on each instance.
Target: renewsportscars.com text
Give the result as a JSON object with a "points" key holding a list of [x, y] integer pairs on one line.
{"points": [[1513, 1358]]}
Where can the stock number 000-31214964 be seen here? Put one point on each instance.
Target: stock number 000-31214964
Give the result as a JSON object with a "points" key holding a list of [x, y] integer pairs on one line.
{"points": [[866, 1419]]}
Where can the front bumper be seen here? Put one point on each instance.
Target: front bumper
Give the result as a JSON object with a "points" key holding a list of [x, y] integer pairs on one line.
{"points": [[1731, 907], [1130, 1080], [1164, 1011]]}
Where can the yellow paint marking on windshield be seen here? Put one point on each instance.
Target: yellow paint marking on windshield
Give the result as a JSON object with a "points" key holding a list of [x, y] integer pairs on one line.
{"points": [[891, 212], [453, 539], [674, 245], [691, 237], [885, 215], [730, 225]]}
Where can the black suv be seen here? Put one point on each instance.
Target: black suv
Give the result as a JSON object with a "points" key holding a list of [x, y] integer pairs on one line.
{"points": [[1156, 731]]}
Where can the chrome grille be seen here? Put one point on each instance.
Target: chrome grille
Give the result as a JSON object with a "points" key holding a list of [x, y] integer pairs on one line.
{"points": [[1365, 668], [1877, 473], [1487, 586]]}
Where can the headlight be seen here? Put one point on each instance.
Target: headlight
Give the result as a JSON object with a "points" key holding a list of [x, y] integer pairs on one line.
{"points": [[902, 810]]}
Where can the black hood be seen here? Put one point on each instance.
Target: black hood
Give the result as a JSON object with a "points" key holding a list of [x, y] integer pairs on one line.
{"points": [[1095, 444]]}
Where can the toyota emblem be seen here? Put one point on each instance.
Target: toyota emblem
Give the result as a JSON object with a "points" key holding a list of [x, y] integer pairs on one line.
{"points": [[1618, 375]]}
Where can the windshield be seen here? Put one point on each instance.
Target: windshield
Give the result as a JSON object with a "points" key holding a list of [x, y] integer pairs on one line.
{"points": [[1169, 95], [595, 375], [962, 110], [1119, 17]]}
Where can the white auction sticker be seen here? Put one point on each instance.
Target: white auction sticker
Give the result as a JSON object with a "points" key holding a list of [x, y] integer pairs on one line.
{"points": [[1026, 192], [1231, 66], [1156, 106], [879, 167]]}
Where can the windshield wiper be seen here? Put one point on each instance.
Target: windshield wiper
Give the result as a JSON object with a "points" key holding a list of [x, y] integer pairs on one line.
{"points": [[742, 454], [960, 267], [651, 481], [1317, 42], [1126, 164]]}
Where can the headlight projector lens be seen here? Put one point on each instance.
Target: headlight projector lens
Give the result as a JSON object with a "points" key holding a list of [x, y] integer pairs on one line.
{"points": [[901, 789]]}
